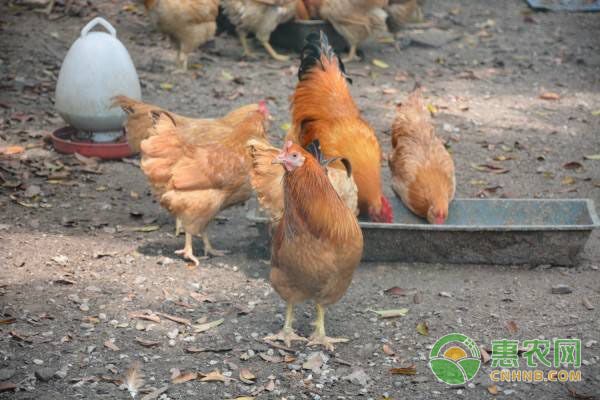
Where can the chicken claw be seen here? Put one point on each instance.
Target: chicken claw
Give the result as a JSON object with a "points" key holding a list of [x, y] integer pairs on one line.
{"points": [[208, 249], [187, 251], [247, 52], [318, 338], [287, 334]]}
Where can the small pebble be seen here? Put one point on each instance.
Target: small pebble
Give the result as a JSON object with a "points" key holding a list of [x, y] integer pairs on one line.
{"points": [[37, 361], [44, 374]]}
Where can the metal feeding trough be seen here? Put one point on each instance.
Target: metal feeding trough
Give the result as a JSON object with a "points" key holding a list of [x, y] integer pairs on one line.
{"points": [[481, 231], [291, 34]]}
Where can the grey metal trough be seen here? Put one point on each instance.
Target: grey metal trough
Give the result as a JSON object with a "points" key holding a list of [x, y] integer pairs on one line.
{"points": [[480, 231]]}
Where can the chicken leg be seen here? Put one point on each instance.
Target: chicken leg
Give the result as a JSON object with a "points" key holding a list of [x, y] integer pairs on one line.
{"points": [[208, 249], [351, 54], [247, 52], [318, 337], [182, 59], [178, 227], [272, 52], [187, 252], [287, 334]]}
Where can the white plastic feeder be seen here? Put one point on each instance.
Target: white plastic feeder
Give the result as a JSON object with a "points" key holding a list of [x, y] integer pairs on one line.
{"points": [[96, 68]]}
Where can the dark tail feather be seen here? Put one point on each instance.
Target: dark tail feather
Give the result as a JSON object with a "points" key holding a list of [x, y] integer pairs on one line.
{"points": [[317, 45], [314, 148]]}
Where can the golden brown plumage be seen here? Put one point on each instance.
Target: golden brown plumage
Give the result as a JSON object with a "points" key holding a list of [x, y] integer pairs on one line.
{"points": [[322, 108], [356, 20], [422, 169], [196, 180], [189, 23], [260, 17], [402, 11], [267, 177], [139, 121], [317, 244]]}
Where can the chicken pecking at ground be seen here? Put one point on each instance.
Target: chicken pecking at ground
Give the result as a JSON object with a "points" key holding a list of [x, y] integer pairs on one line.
{"points": [[195, 177], [189, 23], [422, 169], [322, 108], [317, 244], [356, 20], [259, 17]]}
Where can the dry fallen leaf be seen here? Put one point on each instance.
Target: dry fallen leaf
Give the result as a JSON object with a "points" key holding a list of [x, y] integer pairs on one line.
{"points": [[422, 328], [7, 387], [398, 291], [179, 320], [512, 326], [8, 321], [148, 316], [411, 370], [485, 356], [493, 389], [145, 229], [147, 343], [595, 157], [246, 376], [549, 96], [110, 344], [493, 169], [214, 376], [184, 377], [586, 303], [400, 312], [11, 150], [572, 165], [568, 180], [380, 64], [387, 349], [209, 325]]}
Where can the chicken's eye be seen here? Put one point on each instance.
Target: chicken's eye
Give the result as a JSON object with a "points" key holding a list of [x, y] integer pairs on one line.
{"points": [[295, 155]]}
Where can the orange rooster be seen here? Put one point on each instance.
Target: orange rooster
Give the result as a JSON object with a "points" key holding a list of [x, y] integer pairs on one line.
{"points": [[317, 244], [195, 179], [322, 108], [422, 169]]}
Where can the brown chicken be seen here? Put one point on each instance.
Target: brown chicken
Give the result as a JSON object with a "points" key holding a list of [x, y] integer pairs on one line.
{"points": [[356, 20], [260, 17], [422, 169], [317, 244], [195, 179], [189, 23], [402, 11], [267, 177], [139, 120], [322, 108]]}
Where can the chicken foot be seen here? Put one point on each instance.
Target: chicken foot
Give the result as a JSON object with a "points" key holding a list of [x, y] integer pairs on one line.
{"points": [[272, 52], [187, 252], [209, 250], [351, 55], [287, 334], [318, 338], [182, 60]]}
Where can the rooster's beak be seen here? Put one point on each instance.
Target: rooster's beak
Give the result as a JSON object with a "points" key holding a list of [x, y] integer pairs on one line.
{"points": [[280, 159]]}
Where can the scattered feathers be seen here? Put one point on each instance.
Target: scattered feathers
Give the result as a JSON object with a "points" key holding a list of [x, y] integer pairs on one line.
{"points": [[134, 379]]}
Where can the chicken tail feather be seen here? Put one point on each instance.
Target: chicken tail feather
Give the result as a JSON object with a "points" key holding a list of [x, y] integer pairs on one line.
{"points": [[317, 46]]}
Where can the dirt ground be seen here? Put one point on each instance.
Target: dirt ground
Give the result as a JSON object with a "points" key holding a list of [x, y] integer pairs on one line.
{"points": [[84, 247]]}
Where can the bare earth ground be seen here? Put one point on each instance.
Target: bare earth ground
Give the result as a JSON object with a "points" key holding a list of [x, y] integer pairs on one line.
{"points": [[73, 270]]}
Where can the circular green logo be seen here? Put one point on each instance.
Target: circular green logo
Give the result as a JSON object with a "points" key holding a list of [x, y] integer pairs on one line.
{"points": [[455, 359]]}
